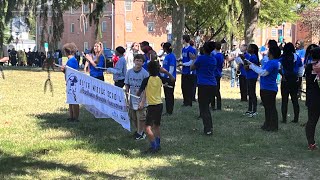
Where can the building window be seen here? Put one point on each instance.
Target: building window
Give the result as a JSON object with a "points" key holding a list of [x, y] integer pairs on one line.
{"points": [[85, 8], [150, 26], [86, 27], [71, 10], [104, 26], [50, 30], [40, 30], [72, 28], [288, 32], [85, 46], [128, 5], [274, 32], [150, 7], [129, 26]]}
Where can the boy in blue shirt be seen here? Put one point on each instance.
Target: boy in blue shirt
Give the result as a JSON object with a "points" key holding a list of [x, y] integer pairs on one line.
{"points": [[120, 69], [187, 80]]}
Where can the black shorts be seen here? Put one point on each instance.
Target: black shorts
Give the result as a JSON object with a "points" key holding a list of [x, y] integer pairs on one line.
{"points": [[154, 113]]}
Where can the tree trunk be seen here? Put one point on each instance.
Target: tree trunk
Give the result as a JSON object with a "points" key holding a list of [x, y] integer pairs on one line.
{"points": [[251, 13], [178, 22]]}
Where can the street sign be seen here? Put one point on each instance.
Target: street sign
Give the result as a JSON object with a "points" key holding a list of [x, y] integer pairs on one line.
{"points": [[46, 47]]}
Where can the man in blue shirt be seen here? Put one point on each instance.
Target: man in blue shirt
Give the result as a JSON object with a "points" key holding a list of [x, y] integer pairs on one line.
{"points": [[301, 52], [187, 80]]}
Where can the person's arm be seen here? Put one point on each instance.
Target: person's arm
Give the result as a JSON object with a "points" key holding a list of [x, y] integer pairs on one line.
{"points": [[118, 68], [127, 93], [259, 70], [143, 86], [90, 60], [164, 71], [86, 67], [143, 100]]}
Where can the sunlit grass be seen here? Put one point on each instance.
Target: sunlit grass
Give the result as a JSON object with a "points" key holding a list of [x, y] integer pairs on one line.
{"points": [[36, 141]]}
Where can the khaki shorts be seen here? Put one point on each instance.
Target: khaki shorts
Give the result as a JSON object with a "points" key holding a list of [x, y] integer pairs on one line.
{"points": [[138, 115]]}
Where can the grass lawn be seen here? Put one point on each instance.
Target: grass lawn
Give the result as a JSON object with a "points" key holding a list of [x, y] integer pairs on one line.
{"points": [[36, 141]]}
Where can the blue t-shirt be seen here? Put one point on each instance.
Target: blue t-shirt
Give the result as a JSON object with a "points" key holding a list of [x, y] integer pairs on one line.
{"points": [[205, 66], [301, 53], [250, 73], [170, 60], [95, 72], [220, 61], [145, 64], [263, 48], [186, 58], [269, 82], [73, 63]]}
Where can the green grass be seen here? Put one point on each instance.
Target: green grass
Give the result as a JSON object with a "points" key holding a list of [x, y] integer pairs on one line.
{"points": [[36, 141]]}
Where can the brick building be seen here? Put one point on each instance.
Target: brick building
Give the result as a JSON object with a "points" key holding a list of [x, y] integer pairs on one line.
{"points": [[122, 23]]}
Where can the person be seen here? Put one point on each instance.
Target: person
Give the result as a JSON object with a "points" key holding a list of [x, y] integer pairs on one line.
{"points": [[218, 74], [252, 80], [301, 52], [161, 54], [137, 107], [243, 74], [194, 75], [120, 70], [77, 54], [308, 57], [291, 69], [233, 66], [13, 55], [187, 79], [70, 49], [129, 56], [169, 64], [312, 97], [207, 85], [152, 87], [96, 62], [268, 87]]}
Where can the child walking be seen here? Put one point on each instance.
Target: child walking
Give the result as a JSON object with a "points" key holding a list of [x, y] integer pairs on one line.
{"points": [[152, 87]]}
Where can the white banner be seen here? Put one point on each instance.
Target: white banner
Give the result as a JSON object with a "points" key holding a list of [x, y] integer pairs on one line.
{"points": [[101, 99]]}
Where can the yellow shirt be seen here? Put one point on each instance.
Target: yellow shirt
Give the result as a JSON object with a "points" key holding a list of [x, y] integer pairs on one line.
{"points": [[152, 85]]}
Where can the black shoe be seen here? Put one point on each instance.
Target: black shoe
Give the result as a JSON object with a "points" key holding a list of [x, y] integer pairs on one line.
{"points": [[70, 119], [243, 100], [166, 114], [284, 121], [213, 109], [151, 150], [294, 121], [263, 127], [271, 129]]}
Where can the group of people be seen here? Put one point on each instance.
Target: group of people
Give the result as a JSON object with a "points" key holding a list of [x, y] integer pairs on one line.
{"points": [[141, 74], [203, 70]]}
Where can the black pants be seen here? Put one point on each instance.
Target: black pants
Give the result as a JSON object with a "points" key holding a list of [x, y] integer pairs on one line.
{"points": [[271, 115], [243, 88], [195, 79], [313, 117], [252, 95], [169, 95], [217, 95], [204, 102], [289, 88], [100, 78], [119, 83], [299, 87], [187, 83]]}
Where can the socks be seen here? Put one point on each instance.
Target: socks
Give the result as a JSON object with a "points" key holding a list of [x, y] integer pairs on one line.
{"points": [[158, 141]]}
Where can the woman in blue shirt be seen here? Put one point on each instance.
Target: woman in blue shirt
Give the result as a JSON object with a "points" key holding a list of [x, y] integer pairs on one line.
{"points": [[170, 64], [70, 49], [252, 80], [207, 85], [268, 88], [97, 62], [291, 69]]}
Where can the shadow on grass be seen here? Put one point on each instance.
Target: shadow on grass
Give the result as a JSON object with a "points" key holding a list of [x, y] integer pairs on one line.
{"points": [[25, 165], [237, 141]]}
